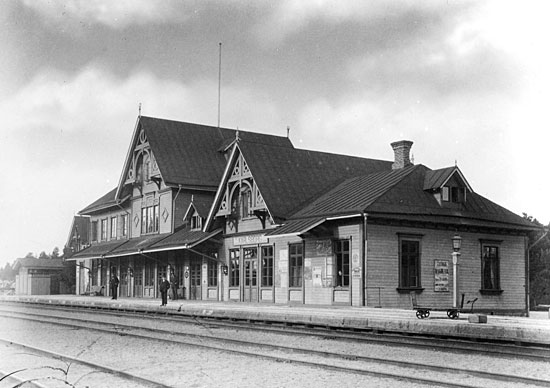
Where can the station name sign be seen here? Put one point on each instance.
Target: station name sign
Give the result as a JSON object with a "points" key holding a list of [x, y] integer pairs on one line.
{"points": [[250, 239]]}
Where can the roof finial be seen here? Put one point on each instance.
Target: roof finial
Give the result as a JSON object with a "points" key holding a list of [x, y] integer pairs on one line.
{"points": [[288, 131], [192, 197], [456, 164], [237, 135], [139, 110]]}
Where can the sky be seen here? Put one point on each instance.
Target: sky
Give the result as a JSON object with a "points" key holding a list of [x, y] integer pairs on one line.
{"points": [[467, 81]]}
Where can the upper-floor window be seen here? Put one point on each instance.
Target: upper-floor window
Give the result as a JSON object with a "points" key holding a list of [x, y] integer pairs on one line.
{"points": [[104, 229], [113, 227], [124, 226], [409, 262], [296, 265], [342, 253], [490, 267], [453, 194], [196, 222], [150, 219], [94, 230]]}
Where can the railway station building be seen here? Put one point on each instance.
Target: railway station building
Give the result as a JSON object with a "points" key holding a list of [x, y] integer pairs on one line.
{"points": [[240, 216]]}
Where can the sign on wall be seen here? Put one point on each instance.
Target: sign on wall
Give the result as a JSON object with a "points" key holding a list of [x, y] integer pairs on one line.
{"points": [[441, 275], [250, 239]]}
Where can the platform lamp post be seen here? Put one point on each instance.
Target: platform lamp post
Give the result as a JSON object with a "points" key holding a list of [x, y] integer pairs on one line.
{"points": [[457, 242]]}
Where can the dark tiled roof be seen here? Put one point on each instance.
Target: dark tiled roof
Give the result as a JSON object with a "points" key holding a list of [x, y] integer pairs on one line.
{"points": [[288, 178], [401, 193], [188, 154], [134, 245], [434, 179], [31, 262], [106, 201], [355, 194], [202, 203], [97, 250], [298, 226], [182, 238]]}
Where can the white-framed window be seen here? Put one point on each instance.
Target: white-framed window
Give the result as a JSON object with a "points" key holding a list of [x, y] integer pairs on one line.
{"points": [[113, 227], [104, 229], [150, 219], [124, 226]]}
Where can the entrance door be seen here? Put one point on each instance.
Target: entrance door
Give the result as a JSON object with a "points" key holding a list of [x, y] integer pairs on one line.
{"points": [[138, 280], [195, 280], [123, 291], [250, 288]]}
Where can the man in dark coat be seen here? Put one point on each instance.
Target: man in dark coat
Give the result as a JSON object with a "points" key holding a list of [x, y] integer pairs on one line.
{"points": [[114, 286], [164, 286]]}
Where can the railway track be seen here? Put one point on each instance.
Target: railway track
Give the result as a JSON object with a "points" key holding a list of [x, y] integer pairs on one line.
{"points": [[426, 373], [501, 349]]}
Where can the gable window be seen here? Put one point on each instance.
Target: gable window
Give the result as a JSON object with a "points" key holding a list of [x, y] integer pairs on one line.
{"points": [[246, 199], [296, 265], [341, 251], [490, 266], [124, 229], [104, 229], [267, 266], [113, 227], [150, 219], [409, 262], [94, 230], [453, 194], [196, 222], [234, 272]]}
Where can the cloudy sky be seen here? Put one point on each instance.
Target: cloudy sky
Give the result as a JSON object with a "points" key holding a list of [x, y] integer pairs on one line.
{"points": [[466, 81]]}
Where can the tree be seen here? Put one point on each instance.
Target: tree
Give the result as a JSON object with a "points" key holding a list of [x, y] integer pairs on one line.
{"points": [[539, 264], [43, 255], [55, 253]]}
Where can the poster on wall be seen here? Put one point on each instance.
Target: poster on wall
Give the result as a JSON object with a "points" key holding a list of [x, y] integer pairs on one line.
{"points": [[323, 247], [317, 276], [283, 267], [441, 276]]}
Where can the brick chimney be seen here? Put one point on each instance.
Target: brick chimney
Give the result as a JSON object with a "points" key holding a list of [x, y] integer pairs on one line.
{"points": [[401, 150]]}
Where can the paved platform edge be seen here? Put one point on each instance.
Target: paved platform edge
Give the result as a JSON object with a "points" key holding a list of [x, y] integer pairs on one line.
{"points": [[356, 319]]}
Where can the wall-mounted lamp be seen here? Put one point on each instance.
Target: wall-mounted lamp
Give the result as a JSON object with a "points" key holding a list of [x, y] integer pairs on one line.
{"points": [[457, 242], [225, 269]]}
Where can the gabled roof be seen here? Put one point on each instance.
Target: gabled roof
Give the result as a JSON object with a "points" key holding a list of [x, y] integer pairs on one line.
{"points": [[80, 225], [189, 154], [107, 201], [436, 179], [289, 178], [201, 202], [400, 194]]}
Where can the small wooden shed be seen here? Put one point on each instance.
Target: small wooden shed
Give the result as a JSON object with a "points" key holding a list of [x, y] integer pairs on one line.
{"points": [[37, 276]]}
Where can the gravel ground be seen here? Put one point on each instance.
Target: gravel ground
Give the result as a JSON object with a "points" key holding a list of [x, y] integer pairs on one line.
{"points": [[180, 365]]}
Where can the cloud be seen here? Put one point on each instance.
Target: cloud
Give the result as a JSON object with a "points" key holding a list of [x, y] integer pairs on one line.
{"points": [[114, 14], [291, 17], [65, 137]]}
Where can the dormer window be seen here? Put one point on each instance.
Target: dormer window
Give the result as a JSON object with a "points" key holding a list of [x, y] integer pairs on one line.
{"points": [[453, 194], [196, 222]]}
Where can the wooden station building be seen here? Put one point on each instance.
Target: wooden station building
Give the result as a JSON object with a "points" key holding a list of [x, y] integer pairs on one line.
{"points": [[247, 217]]}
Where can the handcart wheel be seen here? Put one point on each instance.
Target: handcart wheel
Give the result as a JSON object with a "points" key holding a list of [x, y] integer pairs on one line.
{"points": [[419, 314], [426, 313], [453, 314]]}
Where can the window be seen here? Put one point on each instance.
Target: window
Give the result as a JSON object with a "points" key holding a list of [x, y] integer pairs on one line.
{"points": [[196, 222], [124, 228], [149, 275], [267, 266], [409, 263], [296, 264], [490, 273], [234, 257], [453, 194], [246, 198], [341, 251], [213, 272], [150, 219], [94, 230], [445, 194], [104, 229], [113, 227]]}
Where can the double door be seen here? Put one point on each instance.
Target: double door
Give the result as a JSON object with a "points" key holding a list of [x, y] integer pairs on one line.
{"points": [[250, 274]]}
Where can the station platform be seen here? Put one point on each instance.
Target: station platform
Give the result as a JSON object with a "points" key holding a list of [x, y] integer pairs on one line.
{"points": [[534, 329]]}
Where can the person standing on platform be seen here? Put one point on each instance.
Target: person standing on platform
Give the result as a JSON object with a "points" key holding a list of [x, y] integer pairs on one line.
{"points": [[164, 286], [174, 285], [114, 286]]}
